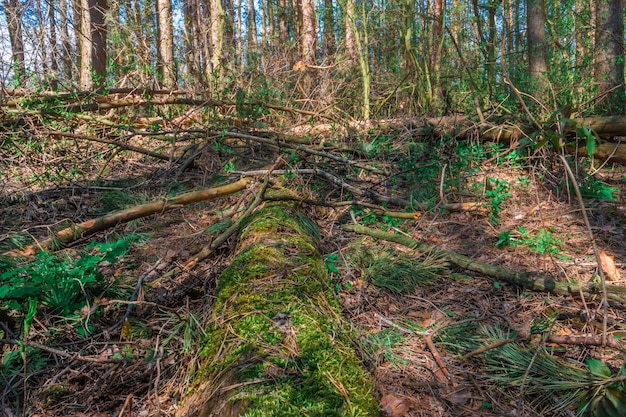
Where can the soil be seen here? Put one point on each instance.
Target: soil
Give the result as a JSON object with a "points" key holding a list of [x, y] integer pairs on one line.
{"points": [[138, 365]]}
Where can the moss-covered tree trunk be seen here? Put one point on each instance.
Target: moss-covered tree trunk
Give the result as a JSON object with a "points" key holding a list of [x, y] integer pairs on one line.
{"points": [[276, 342]]}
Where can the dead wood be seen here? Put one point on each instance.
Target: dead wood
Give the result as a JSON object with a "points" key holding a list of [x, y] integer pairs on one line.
{"points": [[55, 133], [526, 280], [605, 127], [276, 339], [99, 224]]}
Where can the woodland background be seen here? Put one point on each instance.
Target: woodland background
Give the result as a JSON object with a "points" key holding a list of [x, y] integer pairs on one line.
{"points": [[438, 186]]}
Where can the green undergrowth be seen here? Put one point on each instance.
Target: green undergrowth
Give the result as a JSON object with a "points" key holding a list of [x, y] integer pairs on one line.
{"points": [[400, 273], [54, 288], [551, 384], [277, 332]]}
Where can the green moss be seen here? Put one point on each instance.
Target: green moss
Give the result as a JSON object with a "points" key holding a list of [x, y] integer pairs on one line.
{"points": [[303, 367]]}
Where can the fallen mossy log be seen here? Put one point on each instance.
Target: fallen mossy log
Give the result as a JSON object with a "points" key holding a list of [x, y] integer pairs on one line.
{"points": [[526, 280], [89, 227], [276, 343]]}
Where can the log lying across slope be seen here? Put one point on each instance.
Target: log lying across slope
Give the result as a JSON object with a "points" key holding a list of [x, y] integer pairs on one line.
{"points": [[276, 343], [605, 127]]}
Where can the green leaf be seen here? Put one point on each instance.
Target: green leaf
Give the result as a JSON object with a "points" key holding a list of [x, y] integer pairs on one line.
{"points": [[617, 398], [330, 262], [503, 240], [598, 368], [590, 140]]}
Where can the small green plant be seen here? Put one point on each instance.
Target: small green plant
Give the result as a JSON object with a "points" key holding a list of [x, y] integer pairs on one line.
{"points": [[594, 188], [497, 192], [367, 217], [552, 385], [58, 281], [543, 242], [383, 343], [331, 262], [402, 274]]}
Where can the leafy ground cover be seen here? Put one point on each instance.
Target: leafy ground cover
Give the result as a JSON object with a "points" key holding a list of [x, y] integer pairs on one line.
{"points": [[102, 327]]}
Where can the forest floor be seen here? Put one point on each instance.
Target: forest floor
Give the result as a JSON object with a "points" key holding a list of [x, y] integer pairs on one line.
{"points": [[412, 342]]}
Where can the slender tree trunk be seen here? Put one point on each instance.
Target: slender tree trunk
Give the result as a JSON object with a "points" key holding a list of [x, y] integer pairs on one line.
{"points": [[491, 47], [54, 47], [609, 55], [99, 41], [66, 45], [86, 46], [13, 11], [329, 30], [239, 36], [308, 45], [252, 32], [93, 44], [436, 39], [77, 11], [309, 32], [350, 27], [217, 42], [537, 64], [166, 42]]}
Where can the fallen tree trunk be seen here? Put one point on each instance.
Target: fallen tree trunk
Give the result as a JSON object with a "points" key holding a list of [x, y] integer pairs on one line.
{"points": [[526, 280], [604, 126], [99, 224], [276, 343]]}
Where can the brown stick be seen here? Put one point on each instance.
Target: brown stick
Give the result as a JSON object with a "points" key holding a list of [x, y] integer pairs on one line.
{"points": [[527, 280], [90, 227]]}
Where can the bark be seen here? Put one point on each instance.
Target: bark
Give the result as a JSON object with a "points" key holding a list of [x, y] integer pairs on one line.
{"points": [[90, 227], [309, 33], [308, 45], [276, 342], [252, 31], [609, 55], [526, 280], [166, 42], [217, 41], [54, 48], [66, 45], [435, 50], [93, 44], [537, 64], [13, 11], [329, 30], [350, 27]]}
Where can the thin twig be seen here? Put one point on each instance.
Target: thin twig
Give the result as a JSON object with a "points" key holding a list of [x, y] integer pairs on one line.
{"points": [[596, 252]]}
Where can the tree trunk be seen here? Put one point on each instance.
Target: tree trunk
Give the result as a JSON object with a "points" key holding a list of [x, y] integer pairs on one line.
{"points": [[12, 9], [329, 31], [166, 42], [67, 52], [609, 55], [217, 42], [308, 45], [252, 31], [537, 65], [93, 44], [435, 51], [54, 48], [350, 27], [276, 343]]}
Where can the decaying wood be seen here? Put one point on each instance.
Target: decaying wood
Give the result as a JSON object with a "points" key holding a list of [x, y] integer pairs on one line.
{"points": [[276, 339], [526, 280], [99, 224], [605, 127]]}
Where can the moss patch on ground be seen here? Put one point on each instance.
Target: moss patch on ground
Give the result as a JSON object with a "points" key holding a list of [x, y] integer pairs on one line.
{"points": [[277, 344]]}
